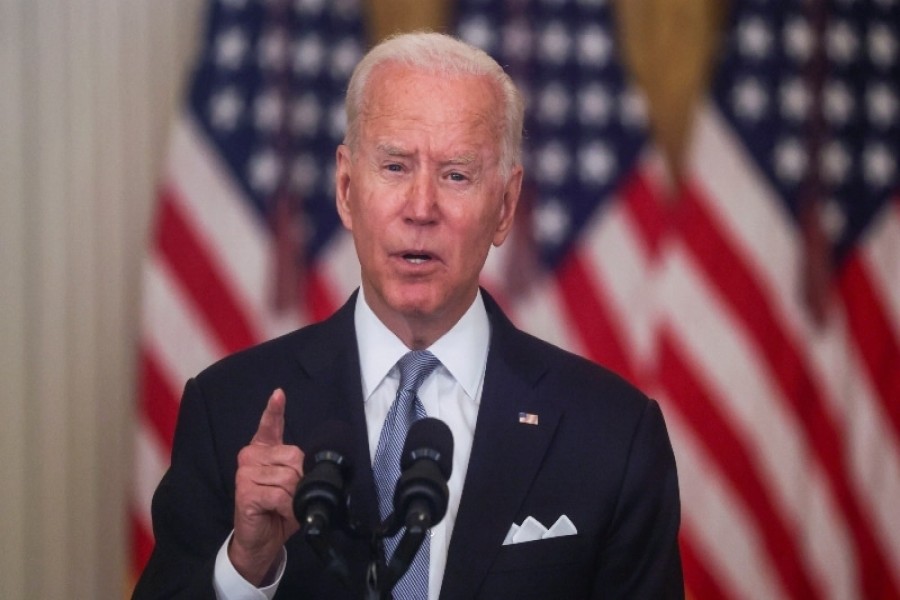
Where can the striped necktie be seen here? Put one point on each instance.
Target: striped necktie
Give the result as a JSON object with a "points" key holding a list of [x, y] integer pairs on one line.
{"points": [[414, 367]]}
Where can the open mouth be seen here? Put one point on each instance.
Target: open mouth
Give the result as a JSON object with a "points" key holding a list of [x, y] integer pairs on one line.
{"points": [[416, 258]]}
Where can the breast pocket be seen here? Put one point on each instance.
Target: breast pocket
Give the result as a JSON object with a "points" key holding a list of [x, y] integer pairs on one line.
{"points": [[552, 568], [552, 551]]}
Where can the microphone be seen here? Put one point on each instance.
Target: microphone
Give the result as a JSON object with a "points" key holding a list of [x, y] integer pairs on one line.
{"points": [[320, 503], [421, 495], [426, 465]]}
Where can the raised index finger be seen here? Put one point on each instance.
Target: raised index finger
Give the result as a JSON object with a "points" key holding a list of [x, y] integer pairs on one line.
{"points": [[271, 425]]}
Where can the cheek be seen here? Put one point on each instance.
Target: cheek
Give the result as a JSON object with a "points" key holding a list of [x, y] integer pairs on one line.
{"points": [[475, 241]]}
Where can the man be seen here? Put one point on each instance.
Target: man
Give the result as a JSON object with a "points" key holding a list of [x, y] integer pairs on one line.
{"points": [[427, 180]]}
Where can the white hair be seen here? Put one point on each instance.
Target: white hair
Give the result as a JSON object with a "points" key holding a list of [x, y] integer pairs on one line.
{"points": [[446, 55]]}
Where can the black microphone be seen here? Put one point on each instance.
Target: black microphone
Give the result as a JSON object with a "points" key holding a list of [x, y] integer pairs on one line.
{"points": [[420, 499], [426, 465], [320, 503]]}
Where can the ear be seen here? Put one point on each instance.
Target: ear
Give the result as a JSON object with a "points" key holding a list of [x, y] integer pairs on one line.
{"points": [[511, 192], [342, 185]]}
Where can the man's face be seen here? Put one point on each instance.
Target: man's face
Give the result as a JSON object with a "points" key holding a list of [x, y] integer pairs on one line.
{"points": [[422, 194]]}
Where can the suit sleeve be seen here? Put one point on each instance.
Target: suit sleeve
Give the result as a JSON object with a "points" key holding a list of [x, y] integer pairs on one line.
{"points": [[640, 558], [192, 510]]}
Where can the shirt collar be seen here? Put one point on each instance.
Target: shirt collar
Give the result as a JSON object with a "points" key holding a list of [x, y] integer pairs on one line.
{"points": [[462, 350]]}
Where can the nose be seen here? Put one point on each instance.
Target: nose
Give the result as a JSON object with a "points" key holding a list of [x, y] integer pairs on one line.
{"points": [[421, 200]]}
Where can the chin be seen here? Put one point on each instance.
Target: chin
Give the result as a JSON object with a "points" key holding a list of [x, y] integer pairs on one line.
{"points": [[416, 302]]}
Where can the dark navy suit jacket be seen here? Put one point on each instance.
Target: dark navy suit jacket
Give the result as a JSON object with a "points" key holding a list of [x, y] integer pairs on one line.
{"points": [[599, 454]]}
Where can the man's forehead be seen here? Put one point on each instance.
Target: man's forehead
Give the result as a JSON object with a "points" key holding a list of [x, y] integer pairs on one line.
{"points": [[394, 86]]}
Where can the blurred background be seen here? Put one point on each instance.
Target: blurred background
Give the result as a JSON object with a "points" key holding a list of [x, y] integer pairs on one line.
{"points": [[712, 210]]}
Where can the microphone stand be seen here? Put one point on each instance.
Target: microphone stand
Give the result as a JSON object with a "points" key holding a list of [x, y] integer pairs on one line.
{"points": [[381, 579], [316, 531]]}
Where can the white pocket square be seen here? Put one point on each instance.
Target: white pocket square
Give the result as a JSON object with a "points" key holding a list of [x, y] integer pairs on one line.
{"points": [[531, 530]]}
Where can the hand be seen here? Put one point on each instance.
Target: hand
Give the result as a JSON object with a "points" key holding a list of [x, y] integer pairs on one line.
{"points": [[267, 476]]}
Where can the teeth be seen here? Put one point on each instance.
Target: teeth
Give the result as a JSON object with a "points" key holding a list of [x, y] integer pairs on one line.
{"points": [[416, 260]]}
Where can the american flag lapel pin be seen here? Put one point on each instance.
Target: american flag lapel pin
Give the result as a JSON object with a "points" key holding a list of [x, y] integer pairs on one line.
{"points": [[528, 418]]}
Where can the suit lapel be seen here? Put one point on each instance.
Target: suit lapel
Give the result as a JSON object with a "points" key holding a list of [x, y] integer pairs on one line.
{"points": [[506, 455], [332, 390]]}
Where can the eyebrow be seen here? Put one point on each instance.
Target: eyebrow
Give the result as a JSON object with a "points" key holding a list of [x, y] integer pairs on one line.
{"points": [[393, 150], [462, 159]]}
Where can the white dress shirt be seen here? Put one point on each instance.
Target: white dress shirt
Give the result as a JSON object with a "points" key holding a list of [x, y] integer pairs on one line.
{"points": [[451, 393]]}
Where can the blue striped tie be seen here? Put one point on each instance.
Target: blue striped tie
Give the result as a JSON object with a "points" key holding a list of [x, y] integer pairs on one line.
{"points": [[414, 367]]}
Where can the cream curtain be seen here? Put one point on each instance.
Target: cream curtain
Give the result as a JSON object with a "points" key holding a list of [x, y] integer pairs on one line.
{"points": [[88, 89]]}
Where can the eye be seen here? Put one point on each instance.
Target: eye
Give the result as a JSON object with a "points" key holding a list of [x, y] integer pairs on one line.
{"points": [[457, 176], [394, 167]]}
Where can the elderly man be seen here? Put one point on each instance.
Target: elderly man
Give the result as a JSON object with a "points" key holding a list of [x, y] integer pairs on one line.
{"points": [[563, 482]]}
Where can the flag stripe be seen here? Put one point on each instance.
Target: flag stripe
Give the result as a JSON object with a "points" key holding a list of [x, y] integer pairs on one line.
{"points": [[698, 580], [141, 541], [646, 210], [619, 261], [169, 315], [587, 307], [199, 276], [700, 409], [159, 401], [542, 312], [321, 299], [151, 461], [717, 522], [872, 333]]}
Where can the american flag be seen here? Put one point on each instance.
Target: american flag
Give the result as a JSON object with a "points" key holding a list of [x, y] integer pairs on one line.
{"points": [[760, 303], [780, 327], [247, 243]]}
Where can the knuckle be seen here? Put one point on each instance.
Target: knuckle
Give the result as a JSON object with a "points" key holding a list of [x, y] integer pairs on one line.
{"points": [[294, 455], [245, 455]]}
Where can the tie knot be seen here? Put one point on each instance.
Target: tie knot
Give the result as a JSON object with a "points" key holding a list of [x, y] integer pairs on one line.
{"points": [[414, 367]]}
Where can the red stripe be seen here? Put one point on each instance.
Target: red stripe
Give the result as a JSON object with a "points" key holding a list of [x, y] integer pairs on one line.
{"points": [[728, 273], [698, 580], [201, 277], [646, 210], [873, 334], [589, 315], [728, 450], [320, 298], [158, 402], [141, 543]]}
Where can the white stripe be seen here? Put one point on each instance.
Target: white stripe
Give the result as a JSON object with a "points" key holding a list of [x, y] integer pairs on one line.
{"points": [[620, 264], [234, 236], [541, 312], [151, 459], [871, 447], [881, 257], [339, 265], [171, 328], [718, 348], [731, 547]]}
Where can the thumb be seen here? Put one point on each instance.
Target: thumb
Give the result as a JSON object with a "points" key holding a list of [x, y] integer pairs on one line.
{"points": [[271, 425]]}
